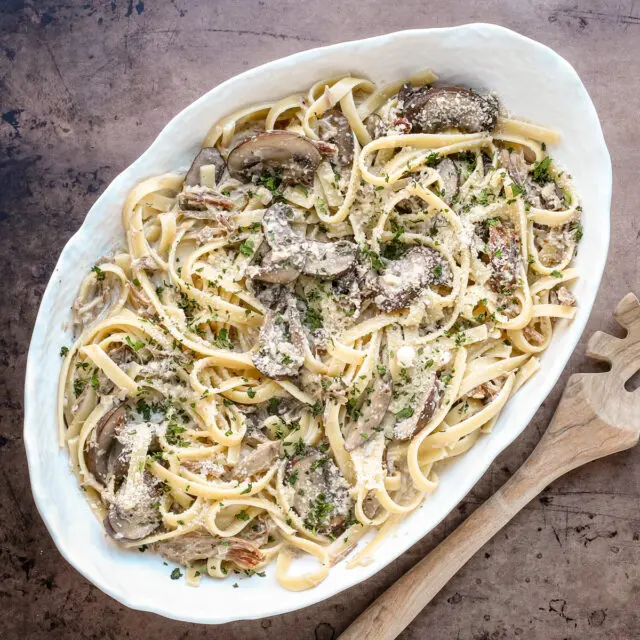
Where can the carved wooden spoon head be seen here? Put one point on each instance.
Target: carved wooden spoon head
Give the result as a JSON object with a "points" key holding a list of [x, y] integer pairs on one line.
{"points": [[597, 416]]}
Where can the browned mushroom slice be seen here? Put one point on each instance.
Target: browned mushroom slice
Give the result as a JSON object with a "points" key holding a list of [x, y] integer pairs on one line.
{"points": [[134, 514], [437, 109], [329, 259], [207, 155], [100, 450], [281, 348], [515, 165], [504, 254], [413, 419], [245, 554], [372, 412], [274, 271], [485, 391], [563, 296], [259, 460], [277, 230], [334, 127], [375, 126], [318, 492], [201, 545], [404, 279], [370, 506], [293, 157], [202, 198], [187, 548], [449, 175]]}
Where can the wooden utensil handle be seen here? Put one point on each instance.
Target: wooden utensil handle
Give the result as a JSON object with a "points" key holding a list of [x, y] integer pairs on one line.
{"points": [[393, 610]]}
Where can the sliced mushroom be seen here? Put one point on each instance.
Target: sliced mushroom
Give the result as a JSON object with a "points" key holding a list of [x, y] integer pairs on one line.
{"points": [[132, 513], [259, 460], [424, 406], [504, 254], [187, 548], [207, 155], [562, 295], [202, 199], [404, 279], [329, 259], [373, 411], [274, 271], [243, 553], [200, 545], [292, 254], [128, 525], [532, 335], [293, 157], [318, 492], [432, 110], [375, 126], [547, 196], [334, 127], [281, 343], [485, 391], [370, 506], [449, 176], [277, 229], [515, 165], [99, 452]]}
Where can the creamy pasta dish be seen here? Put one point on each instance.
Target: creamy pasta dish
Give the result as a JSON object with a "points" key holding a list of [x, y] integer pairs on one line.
{"points": [[340, 295]]}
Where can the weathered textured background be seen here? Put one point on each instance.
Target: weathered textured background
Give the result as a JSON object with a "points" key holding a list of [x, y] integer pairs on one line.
{"points": [[84, 89]]}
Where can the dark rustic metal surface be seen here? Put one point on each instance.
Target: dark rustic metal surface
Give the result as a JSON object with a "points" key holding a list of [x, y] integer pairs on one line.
{"points": [[85, 88]]}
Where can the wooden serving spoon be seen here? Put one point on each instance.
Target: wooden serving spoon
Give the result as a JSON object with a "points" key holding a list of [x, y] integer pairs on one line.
{"points": [[596, 417]]}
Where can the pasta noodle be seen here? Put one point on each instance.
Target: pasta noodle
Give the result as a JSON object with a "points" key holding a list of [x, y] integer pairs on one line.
{"points": [[341, 295]]}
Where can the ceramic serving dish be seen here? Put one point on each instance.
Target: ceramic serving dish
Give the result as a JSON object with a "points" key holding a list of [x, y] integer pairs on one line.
{"points": [[533, 83]]}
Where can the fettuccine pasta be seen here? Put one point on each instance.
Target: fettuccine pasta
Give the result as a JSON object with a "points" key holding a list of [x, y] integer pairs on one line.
{"points": [[342, 294]]}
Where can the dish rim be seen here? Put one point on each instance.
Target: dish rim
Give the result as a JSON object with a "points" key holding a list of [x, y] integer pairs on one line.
{"points": [[30, 394]]}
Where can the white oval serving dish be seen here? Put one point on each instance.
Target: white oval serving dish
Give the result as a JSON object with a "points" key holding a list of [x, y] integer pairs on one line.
{"points": [[533, 83]]}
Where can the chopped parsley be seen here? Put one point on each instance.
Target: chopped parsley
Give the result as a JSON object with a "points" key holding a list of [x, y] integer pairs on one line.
{"points": [[556, 274], [578, 232], [172, 434], [64, 351], [432, 159], [541, 171], [407, 412], [143, 409], [222, 339], [242, 515], [78, 386], [395, 249], [176, 574], [246, 248], [319, 510], [271, 181], [516, 189], [313, 319], [251, 392], [100, 274], [136, 346]]}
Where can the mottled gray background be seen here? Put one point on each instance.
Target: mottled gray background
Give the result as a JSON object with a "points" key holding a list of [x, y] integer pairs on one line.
{"points": [[84, 89]]}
